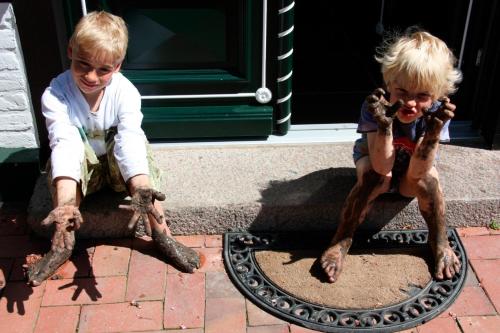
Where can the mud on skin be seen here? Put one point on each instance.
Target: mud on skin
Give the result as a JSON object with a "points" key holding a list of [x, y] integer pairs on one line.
{"points": [[446, 262], [182, 257], [435, 120], [67, 219], [38, 269], [383, 112], [352, 213], [425, 149], [141, 205]]}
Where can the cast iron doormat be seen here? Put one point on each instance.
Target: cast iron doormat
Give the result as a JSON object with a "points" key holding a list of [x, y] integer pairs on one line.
{"points": [[425, 304]]}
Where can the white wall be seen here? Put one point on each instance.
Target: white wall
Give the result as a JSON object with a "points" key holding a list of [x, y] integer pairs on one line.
{"points": [[17, 124]]}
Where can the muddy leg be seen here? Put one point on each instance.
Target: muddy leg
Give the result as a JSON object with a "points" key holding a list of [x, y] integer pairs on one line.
{"points": [[182, 257], [39, 269], [432, 207], [354, 211]]}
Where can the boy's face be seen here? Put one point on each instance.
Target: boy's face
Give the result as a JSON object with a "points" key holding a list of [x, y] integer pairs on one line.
{"points": [[90, 72], [413, 102]]}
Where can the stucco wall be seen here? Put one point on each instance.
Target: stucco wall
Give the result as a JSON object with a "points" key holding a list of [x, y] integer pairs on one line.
{"points": [[17, 125]]}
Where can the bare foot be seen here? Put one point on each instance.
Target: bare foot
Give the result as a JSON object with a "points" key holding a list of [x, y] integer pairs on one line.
{"points": [[447, 263], [182, 257], [38, 269], [332, 261]]}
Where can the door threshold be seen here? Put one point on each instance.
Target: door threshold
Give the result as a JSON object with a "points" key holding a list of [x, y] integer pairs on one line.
{"points": [[311, 134], [297, 134]]}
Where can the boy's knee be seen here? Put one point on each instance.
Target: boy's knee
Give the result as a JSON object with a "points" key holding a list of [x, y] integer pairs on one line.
{"points": [[371, 180], [428, 186]]}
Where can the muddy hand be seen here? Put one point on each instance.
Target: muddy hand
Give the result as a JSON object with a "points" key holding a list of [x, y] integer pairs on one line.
{"points": [[447, 263], [383, 112], [38, 269], [436, 120], [142, 204], [66, 219], [182, 257]]}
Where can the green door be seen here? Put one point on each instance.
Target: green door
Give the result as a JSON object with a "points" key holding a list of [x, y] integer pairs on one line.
{"points": [[202, 67]]}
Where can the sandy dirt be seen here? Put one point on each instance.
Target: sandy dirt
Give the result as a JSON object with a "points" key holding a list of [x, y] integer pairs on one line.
{"points": [[370, 279]]}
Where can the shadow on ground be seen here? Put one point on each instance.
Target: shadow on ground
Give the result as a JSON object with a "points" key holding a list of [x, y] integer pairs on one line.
{"points": [[314, 202]]}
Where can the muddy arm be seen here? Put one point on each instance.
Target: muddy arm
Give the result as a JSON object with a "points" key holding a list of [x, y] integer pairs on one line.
{"points": [[427, 147], [380, 143], [66, 219]]}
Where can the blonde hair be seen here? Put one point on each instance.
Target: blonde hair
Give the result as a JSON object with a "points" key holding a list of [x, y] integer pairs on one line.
{"points": [[419, 61], [101, 34]]}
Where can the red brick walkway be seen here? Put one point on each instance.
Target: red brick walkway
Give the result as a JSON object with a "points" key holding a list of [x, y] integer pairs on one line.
{"points": [[121, 286]]}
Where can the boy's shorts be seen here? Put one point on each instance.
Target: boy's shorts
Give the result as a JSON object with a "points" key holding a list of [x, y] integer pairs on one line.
{"points": [[399, 168], [360, 149], [98, 172]]}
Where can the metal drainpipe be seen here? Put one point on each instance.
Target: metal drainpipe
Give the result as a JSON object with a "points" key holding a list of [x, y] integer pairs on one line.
{"points": [[285, 66], [84, 7], [464, 37]]}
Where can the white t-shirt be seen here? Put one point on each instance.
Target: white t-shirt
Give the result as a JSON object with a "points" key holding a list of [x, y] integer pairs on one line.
{"points": [[65, 110]]}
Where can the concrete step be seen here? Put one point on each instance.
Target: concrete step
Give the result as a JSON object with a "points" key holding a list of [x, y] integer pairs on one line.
{"points": [[211, 189]]}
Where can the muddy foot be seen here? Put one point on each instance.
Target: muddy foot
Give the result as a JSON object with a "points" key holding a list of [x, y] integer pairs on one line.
{"points": [[182, 257], [38, 269], [447, 263], [332, 261]]}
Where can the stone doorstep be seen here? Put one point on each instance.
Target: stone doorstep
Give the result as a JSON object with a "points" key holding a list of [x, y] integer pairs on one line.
{"points": [[214, 190]]}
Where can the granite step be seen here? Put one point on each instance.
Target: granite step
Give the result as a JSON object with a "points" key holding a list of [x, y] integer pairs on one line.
{"points": [[212, 189]]}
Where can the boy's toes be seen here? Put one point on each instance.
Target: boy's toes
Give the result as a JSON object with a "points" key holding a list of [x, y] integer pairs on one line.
{"points": [[331, 263], [187, 260], [182, 257], [330, 270], [192, 260], [34, 283], [447, 264]]}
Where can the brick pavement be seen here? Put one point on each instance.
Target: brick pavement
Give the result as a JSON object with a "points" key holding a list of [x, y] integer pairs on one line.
{"points": [[121, 285]]}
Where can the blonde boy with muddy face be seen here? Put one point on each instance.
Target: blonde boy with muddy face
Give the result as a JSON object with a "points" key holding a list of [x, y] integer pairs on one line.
{"points": [[93, 117], [400, 139]]}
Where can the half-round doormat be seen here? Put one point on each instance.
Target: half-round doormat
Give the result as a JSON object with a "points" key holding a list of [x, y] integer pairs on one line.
{"points": [[256, 265]]}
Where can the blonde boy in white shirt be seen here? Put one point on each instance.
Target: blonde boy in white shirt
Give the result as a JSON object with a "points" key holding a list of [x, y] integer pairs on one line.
{"points": [[93, 117]]}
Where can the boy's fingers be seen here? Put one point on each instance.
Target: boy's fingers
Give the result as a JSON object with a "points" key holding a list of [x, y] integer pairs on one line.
{"points": [[48, 220], [372, 108], [133, 220], [379, 92], [157, 216], [448, 114], [158, 195], [78, 219], [147, 224], [372, 99], [126, 207], [449, 107], [444, 100], [68, 242], [425, 112], [391, 111]]}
